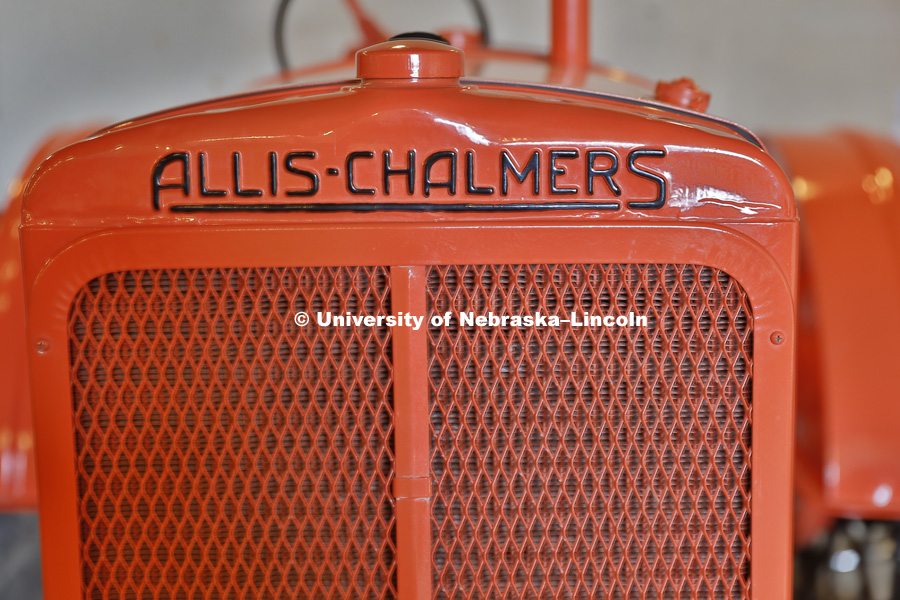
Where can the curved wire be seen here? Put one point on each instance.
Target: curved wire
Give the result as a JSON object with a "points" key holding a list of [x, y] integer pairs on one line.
{"points": [[483, 25], [281, 14], [280, 51]]}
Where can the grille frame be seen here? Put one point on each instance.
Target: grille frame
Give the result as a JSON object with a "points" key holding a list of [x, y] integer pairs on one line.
{"points": [[750, 263]]}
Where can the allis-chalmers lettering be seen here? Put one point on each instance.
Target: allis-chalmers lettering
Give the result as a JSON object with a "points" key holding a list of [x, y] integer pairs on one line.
{"points": [[590, 173]]}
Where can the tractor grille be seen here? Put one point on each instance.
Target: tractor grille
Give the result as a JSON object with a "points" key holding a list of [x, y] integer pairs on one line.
{"points": [[591, 462], [224, 452]]}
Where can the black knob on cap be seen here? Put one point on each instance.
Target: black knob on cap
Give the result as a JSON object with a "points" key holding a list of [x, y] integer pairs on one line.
{"points": [[420, 35]]}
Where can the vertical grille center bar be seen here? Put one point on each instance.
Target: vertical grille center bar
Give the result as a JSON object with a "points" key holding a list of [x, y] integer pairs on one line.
{"points": [[411, 438]]}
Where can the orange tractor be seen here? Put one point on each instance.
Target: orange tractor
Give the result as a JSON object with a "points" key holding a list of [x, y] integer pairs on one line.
{"points": [[417, 333]]}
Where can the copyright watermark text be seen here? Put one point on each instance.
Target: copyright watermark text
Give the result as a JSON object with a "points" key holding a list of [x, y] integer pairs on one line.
{"points": [[470, 319]]}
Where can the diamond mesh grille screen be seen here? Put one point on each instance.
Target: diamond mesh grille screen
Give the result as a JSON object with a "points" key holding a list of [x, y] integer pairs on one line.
{"points": [[224, 452], [591, 462]]}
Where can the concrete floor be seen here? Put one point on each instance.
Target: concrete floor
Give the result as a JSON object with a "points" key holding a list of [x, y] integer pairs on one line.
{"points": [[20, 560]]}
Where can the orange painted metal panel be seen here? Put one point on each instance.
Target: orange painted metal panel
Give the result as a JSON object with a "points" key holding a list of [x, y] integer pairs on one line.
{"points": [[846, 191], [17, 480], [18, 486]]}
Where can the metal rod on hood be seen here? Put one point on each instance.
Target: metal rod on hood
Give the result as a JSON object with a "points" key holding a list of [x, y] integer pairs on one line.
{"points": [[570, 34]]}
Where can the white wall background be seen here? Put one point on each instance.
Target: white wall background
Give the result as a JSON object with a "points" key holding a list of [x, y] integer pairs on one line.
{"points": [[770, 64]]}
